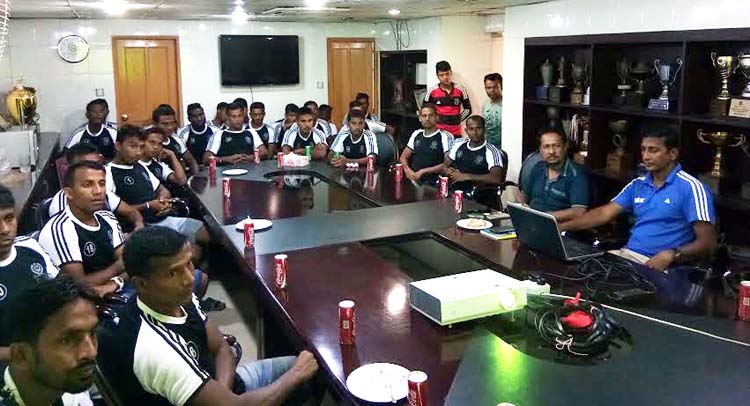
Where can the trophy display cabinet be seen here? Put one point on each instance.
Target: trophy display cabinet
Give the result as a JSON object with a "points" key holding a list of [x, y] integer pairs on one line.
{"points": [[401, 90], [614, 87]]}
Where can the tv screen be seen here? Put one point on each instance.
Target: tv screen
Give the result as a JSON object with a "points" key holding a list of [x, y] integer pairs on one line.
{"points": [[259, 60]]}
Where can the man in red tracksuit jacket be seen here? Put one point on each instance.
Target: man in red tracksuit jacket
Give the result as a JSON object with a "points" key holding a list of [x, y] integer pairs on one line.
{"points": [[449, 97]]}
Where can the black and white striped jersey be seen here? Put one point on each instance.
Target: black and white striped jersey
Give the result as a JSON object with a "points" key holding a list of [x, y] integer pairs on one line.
{"points": [[69, 240], [154, 359]]}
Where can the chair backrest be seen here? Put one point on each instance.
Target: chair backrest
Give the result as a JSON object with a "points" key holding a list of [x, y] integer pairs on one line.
{"points": [[105, 388], [42, 213], [387, 150], [61, 164], [528, 163]]}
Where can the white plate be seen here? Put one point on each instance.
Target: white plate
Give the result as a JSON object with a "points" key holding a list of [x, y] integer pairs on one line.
{"points": [[381, 382], [464, 223], [259, 224], [234, 172]]}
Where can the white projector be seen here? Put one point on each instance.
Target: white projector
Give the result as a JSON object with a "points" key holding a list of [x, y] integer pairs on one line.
{"points": [[467, 296]]}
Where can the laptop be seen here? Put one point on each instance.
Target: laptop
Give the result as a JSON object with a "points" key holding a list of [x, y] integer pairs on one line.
{"points": [[539, 230]]}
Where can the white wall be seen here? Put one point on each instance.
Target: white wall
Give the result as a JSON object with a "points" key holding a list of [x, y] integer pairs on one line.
{"points": [[576, 17], [63, 89]]}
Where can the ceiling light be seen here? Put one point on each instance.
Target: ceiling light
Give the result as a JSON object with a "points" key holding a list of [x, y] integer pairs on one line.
{"points": [[114, 7], [315, 4], [239, 16], [239, 3], [394, 11]]}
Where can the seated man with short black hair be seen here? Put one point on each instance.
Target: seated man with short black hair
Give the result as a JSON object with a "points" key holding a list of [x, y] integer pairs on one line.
{"points": [[556, 184], [473, 161], [84, 240], [165, 118], [23, 263], [165, 351], [355, 144], [674, 212], [264, 131], [155, 156], [96, 132], [87, 152], [304, 134], [137, 186], [196, 135], [283, 124], [236, 144], [220, 117], [325, 111], [424, 156], [52, 328], [320, 124]]}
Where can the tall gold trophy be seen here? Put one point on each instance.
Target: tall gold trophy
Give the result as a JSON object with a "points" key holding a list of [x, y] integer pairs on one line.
{"points": [[719, 140], [21, 103]]}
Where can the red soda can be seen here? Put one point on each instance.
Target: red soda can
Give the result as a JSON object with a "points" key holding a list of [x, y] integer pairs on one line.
{"points": [[743, 306], [249, 228], [417, 388], [399, 172], [227, 187], [256, 155], [280, 263], [458, 200], [212, 164], [443, 186], [346, 322], [370, 180], [370, 163], [280, 159], [399, 190]]}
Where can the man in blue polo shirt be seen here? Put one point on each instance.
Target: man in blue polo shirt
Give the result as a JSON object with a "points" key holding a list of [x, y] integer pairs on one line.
{"points": [[556, 184], [674, 212]]}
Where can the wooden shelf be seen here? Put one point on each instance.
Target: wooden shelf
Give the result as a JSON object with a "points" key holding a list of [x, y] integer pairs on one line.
{"points": [[732, 202], [555, 104], [722, 121], [637, 113]]}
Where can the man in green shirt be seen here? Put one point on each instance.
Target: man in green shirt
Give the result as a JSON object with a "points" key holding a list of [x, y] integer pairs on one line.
{"points": [[492, 109]]}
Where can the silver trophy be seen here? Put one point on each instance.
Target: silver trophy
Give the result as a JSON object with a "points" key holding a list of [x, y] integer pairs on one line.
{"points": [[667, 74], [744, 68]]}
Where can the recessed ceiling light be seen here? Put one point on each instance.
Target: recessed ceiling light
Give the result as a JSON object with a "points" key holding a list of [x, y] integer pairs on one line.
{"points": [[114, 7], [239, 3], [394, 11], [239, 16], [315, 4]]}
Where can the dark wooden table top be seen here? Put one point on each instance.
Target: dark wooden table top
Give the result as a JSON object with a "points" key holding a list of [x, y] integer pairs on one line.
{"points": [[328, 263]]}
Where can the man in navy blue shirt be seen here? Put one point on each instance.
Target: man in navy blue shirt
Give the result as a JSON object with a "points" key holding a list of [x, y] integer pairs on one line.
{"points": [[674, 212], [556, 184]]}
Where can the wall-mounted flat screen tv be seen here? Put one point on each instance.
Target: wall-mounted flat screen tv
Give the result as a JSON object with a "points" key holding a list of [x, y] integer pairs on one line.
{"points": [[248, 60]]}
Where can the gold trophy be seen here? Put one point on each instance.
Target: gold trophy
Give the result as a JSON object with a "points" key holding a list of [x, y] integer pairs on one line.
{"points": [[726, 65], [719, 140], [619, 161], [21, 103], [578, 72]]}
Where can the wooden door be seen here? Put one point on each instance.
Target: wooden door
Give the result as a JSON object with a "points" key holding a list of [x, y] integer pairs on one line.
{"points": [[147, 74], [351, 69]]}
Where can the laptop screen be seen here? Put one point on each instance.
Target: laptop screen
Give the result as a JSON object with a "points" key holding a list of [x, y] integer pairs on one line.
{"points": [[537, 230]]}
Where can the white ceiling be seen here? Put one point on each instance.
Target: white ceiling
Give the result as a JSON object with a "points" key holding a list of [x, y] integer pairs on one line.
{"points": [[359, 10]]}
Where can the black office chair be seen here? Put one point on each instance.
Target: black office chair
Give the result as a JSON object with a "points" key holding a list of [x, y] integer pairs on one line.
{"points": [[387, 149], [490, 195], [41, 215]]}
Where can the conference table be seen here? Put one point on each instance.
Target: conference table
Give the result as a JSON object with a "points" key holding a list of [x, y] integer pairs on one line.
{"points": [[350, 234]]}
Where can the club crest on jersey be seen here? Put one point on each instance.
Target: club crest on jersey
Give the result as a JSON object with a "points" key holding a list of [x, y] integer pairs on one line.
{"points": [[479, 159], [105, 140], [192, 350], [248, 140], [86, 141], [89, 249], [37, 269], [459, 154], [3, 292], [129, 180], [228, 139], [434, 145]]}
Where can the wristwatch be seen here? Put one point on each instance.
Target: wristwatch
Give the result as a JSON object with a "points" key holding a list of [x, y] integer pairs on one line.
{"points": [[119, 282], [677, 255]]}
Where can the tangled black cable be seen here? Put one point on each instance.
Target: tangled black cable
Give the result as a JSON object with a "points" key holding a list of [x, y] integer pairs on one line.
{"points": [[597, 274], [587, 341]]}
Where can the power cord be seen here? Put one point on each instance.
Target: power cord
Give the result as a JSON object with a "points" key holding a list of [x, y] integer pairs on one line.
{"points": [[607, 274], [578, 327]]}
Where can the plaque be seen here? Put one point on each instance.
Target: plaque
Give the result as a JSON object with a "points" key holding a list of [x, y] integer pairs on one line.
{"points": [[739, 108]]}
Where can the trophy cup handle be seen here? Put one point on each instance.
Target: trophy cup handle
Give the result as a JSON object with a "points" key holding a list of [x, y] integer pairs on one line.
{"points": [[740, 141], [657, 63], [700, 136], [713, 58]]}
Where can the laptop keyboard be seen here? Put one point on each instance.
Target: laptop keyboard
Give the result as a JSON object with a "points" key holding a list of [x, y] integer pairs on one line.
{"points": [[575, 248]]}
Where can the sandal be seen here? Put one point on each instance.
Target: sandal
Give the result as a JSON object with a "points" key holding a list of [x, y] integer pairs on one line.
{"points": [[210, 304]]}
